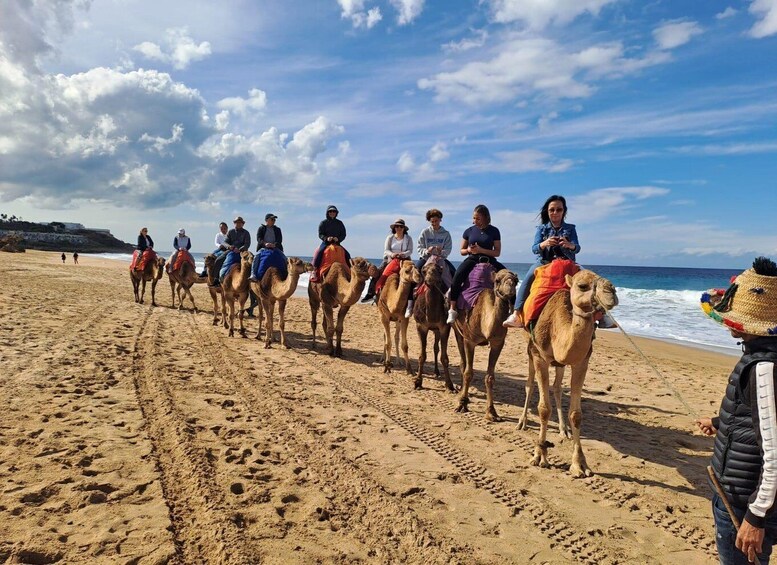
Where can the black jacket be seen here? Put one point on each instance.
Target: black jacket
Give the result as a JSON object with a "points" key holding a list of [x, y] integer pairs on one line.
{"points": [[142, 242], [260, 237], [331, 227], [737, 455]]}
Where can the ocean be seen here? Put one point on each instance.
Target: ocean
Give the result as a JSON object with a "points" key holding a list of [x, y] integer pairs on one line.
{"points": [[655, 302]]}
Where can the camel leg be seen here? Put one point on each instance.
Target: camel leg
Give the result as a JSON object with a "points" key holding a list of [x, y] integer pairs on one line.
{"points": [[541, 449], [340, 319], [529, 389], [224, 310], [269, 311], [172, 290], [466, 374], [405, 322], [494, 350], [563, 429], [436, 351], [422, 335], [397, 332], [153, 291], [386, 344], [135, 287], [142, 289], [329, 329], [231, 317], [444, 336], [282, 322], [313, 320], [579, 467], [241, 304]]}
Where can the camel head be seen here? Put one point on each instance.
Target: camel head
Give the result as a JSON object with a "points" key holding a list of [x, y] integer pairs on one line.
{"points": [[309, 267], [210, 262], [360, 268], [160, 267], [409, 273], [588, 291], [295, 265], [246, 258], [504, 283], [432, 274]]}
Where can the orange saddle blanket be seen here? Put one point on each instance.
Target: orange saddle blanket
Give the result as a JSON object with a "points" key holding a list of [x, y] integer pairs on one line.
{"points": [[180, 258], [333, 254], [547, 280]]}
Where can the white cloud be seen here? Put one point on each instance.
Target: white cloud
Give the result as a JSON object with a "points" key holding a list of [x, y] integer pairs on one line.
{"points": [[424, 171], [610, 202], [522, 161], [255, 103], [98, 141], [727, 13], [729, 149], [160, 144], [405, 163], [675, 34], [538, 14], [766, 12], [438, 152], [181, 49], [354, 10], [467, 43], [408, 10], [525, 66]]}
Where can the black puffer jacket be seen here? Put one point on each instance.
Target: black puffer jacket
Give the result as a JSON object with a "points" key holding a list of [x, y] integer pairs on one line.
{"points": [[736, 458]]}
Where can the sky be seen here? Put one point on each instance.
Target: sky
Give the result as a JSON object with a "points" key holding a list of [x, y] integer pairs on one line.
{"points": [[657, 120]]}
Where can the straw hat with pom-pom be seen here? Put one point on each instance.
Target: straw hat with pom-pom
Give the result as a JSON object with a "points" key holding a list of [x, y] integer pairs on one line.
{"points": [[749, 305]]}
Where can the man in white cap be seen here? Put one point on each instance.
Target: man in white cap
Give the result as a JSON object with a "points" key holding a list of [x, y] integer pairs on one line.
{"points": [[744, 458], [181, 242]]}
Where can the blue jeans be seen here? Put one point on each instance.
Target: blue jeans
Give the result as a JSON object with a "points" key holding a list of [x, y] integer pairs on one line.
{"points": [[523, 290], [726, 535]]}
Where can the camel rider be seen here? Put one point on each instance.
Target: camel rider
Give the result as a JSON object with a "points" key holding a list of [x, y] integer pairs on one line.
{"points": [[238, 239], [331, 231], [434, 240], [220, 237], [181, 242], [268, 236], [144, 242]]}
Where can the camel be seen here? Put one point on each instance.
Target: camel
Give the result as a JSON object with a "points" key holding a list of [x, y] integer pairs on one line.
{"points": [[430, 311], [153, 271], [480, 326], [562, 336], [181, 281], [234, 288], [272, 289], [338, 288], [215, 291], [392, 303]]}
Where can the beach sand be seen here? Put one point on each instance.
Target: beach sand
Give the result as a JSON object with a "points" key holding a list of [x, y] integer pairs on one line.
{"points": [[137, 435]]}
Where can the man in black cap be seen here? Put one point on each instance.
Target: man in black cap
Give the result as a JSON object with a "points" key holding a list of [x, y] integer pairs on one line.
{"points": [[268, 236]]}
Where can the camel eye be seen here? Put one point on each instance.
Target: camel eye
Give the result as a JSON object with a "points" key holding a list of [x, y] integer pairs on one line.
{"points": [[584, 286]]}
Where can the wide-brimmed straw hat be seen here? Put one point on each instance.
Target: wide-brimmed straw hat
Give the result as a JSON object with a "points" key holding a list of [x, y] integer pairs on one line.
{"points": [[749, 305], [399, 222], [238, 219]]}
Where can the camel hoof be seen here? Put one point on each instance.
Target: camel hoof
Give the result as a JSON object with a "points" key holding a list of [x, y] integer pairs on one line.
{"points": [[436, 373], [462, 407], [539, 461], [268, 346], [449, 387], [339, 353], [418, 384], [579, 472], [492, 416], [522, 424]]}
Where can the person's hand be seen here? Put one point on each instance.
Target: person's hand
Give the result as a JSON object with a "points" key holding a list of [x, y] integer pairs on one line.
{"points": [[565, 243], [550, 242], [749, 540], [706, 427], [473, 248]]}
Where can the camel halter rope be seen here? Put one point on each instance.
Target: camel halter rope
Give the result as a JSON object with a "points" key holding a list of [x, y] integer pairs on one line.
{"points": [[691, 412]]}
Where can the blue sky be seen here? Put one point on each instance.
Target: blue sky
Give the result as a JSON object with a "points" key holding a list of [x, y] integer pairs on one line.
{"points": [[655, 119]]}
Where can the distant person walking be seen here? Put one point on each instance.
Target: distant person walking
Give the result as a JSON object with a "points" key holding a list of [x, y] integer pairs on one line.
{"points": [[75, 257], [63, 258]]}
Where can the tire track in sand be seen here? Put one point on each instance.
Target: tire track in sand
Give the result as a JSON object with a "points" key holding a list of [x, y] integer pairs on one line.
{"points": [[202, 532]]}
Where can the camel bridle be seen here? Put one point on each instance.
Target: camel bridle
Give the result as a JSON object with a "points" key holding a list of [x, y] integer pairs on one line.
{"points": [[594, 305]]}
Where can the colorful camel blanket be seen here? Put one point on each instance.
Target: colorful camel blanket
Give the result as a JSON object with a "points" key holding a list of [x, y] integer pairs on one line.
{"points": [[232, 259], [548, 279], [479, 280], [140, 261], [180, 258], [391, 269], [267, 258], [332, 254]]}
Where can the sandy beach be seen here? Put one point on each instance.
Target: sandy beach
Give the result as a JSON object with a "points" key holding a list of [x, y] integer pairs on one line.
{"points": [[140, 435]]}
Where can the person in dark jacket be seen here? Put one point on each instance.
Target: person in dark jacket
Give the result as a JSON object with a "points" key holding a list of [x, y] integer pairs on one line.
{"points": [[238, 239], [144, 242], [744, 456], [330, 231], [269, 236]]}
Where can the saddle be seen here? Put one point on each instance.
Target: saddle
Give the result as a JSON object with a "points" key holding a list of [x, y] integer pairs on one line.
{"points": [[332, 254], [180, 258], [391, 269], [267, 258], [140, 260], [548, 279], [480, 279]]}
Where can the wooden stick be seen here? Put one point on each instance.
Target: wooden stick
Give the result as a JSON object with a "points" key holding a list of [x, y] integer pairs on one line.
{"points": [[726, 503]]}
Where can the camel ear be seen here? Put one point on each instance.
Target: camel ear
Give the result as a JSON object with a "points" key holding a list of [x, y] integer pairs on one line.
{"points": [[568, 280], [493, 276]]}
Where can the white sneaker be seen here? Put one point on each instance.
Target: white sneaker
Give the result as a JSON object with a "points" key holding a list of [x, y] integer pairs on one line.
{"points": [[514, 320], [452, 315], [409, 309]]}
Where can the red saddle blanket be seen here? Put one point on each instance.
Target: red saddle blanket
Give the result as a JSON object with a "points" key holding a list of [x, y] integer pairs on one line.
{"points": [[332, 254], [140, 261], [391, 269], [547, 280], [180, 258]]}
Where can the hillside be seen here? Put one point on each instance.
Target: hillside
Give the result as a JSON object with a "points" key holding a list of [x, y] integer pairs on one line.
{"points": [[57, 236]]}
